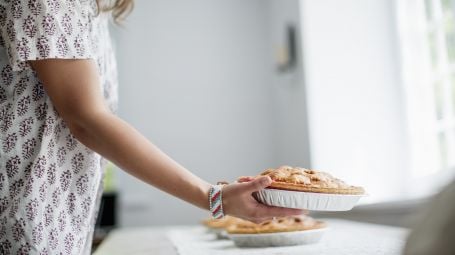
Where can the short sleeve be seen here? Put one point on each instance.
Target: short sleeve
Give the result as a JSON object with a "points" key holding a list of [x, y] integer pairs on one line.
{"points": [[44, 29]]}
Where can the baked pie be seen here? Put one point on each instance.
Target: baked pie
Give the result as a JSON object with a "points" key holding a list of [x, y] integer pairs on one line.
{"points": [[301, 179], [276, 225], [220, 223]]}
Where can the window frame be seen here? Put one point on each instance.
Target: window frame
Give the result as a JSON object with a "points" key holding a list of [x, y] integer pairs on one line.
{"points": [[419, 76]]}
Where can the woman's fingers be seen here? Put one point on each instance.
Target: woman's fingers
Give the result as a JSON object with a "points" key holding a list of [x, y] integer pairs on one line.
{"points": [[238, 200], [257, 184], [248, 187]]}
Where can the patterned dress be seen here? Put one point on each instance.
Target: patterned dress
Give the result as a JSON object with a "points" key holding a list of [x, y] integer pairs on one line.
{"points": [[50, 184]]}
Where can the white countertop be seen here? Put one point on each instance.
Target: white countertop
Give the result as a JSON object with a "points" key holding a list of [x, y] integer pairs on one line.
{"points": [[343, 237]]}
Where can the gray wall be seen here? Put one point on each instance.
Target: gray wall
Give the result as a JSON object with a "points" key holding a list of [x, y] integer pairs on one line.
{"points": [[291, 142], [196, 79]]}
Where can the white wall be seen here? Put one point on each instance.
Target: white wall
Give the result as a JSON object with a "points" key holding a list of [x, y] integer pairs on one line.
{"points": [[356, 116], [195, 79]]}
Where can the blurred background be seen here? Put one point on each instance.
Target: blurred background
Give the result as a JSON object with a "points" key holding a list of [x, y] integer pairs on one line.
{"points": [[363, 89]]}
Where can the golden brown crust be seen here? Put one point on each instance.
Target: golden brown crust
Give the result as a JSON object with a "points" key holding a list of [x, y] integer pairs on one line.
{"points": [[298, 187], [278, 225], [301, 179], [220, 223]]}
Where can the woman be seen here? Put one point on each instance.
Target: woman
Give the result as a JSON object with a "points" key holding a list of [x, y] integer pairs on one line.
{"points": [[57, 94]]}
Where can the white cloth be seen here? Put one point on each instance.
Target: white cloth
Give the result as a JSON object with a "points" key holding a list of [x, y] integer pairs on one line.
{"points": [[342, 238], [50, 184]]}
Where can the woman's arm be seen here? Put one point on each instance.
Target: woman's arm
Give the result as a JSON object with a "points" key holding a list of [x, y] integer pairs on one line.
{"points": [[74, 88]]}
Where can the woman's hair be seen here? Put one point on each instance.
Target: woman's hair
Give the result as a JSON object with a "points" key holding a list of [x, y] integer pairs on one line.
{"points": [[119, 8]]}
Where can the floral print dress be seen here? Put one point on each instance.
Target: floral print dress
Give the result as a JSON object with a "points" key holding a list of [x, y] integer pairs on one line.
{"points": [[50, 184]]}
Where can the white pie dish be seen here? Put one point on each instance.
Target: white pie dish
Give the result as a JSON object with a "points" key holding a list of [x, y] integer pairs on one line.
{"points": [[278, 239], [307, 200]]}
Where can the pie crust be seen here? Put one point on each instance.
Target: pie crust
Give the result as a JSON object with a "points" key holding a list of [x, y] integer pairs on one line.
{"points": [[276, 225], [220, 223], [301, 179]]}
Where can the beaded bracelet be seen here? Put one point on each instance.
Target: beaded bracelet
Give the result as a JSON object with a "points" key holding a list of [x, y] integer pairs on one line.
{"points": [[216, 201]]}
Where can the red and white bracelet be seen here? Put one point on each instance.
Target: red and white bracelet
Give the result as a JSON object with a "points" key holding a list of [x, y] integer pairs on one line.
{"points": [[216, 201]]}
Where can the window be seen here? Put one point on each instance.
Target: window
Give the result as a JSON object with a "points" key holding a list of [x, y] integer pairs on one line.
{"points": [[427, 33], [440, 29]]}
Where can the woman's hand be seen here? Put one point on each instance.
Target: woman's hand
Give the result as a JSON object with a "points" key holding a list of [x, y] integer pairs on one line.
{"points": [[238, 201]]}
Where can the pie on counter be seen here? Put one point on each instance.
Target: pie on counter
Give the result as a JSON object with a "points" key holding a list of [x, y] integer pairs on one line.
{"points": [[276, 225], [301, 179], [220, 223]]}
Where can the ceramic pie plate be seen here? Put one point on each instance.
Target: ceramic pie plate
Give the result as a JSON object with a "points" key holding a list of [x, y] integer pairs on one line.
{"points": [[307, 200], [278, 239]]}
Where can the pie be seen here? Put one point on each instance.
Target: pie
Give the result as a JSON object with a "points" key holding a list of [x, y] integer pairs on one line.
{"points": [[220, 223], [276, 225], [301, 179]]}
